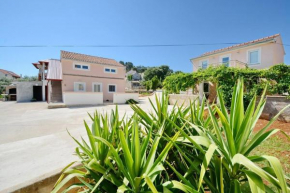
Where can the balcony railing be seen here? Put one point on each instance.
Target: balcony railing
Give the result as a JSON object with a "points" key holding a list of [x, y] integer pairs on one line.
{"points": [[231, 63]]}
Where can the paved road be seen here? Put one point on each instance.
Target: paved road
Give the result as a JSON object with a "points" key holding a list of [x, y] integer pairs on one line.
{"points": [[34, 143]]}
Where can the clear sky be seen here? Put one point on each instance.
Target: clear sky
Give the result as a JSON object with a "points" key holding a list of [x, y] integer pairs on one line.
{"points": [[135, 22]]}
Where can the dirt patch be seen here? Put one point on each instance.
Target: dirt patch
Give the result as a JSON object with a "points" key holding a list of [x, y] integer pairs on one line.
{"points": [[276, 125]]}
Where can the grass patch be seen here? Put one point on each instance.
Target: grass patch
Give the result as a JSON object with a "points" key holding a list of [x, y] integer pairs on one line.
{"points": [[278, 147]]}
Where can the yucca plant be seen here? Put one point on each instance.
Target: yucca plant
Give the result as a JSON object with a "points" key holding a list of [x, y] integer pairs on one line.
{"points": [[95, 170], [227, 164]]}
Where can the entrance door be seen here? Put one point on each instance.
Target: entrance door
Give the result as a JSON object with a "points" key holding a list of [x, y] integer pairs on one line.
{"points": [[37, 93]]}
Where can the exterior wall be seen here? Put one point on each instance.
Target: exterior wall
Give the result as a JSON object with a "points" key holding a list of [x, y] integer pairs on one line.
{"points": [[25, 90], [121, 98], [271, 54], [96, 74], [182, 99], [81, 98], [280, 52]]}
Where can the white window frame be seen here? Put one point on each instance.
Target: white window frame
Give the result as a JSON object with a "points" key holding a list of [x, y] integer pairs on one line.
{"points": [[201, 61], [84, 84], [109, 88], [226, 56], [259, 56], [110, 70], [97, 83], [77, 63]]}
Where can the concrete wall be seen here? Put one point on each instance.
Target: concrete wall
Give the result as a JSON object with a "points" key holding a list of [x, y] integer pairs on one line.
{"points": [[121, 98], [96, 74], [82, 98], [25, 90], [271, 54], [182, 99], [274, 104]]}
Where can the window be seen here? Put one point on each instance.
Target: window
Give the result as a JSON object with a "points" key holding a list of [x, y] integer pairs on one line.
{"points": [[81, 67], [205, 87], [254, 57], [111, 70], [79, 87], [97, 87], [204, 64], [226, 61], [85, 67], [112, 88], [77, 66]]}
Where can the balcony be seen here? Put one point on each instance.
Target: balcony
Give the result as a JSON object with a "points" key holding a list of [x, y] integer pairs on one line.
{"points": [[231, 63]]}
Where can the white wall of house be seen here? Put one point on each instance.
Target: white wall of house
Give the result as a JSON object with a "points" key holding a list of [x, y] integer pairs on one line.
{"points": [[121, 98], [2, 75], [83, 98]]}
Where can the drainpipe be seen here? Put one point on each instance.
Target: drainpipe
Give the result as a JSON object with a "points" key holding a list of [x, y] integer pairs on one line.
{"points": [[43, 81]]}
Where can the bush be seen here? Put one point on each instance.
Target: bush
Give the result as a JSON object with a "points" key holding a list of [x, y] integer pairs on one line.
{"points": [[179, 150], [154, 83]]}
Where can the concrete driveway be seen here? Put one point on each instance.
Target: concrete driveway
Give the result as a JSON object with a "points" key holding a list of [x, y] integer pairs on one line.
{"points": [[34, 143]]}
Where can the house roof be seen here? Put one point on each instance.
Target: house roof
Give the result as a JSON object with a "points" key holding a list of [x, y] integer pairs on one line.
{"points": [[261, 40], [90, 59], [10, 73]]}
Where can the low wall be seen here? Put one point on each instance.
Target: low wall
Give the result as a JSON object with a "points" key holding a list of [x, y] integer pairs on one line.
{"points": [[274, 104], [180, 99], [83, 98], [121, 98]]}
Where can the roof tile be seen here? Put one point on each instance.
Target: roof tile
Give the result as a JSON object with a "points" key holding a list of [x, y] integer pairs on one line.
{"points": [[90, 59], [239, 45]]}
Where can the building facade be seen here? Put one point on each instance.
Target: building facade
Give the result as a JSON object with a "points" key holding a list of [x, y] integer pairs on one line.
{"points": [[258, 54]]}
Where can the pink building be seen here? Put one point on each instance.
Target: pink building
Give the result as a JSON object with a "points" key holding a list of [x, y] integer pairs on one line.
{"points": [[259, 54], [80, 79]]}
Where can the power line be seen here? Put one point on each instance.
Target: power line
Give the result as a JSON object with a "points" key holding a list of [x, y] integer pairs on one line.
{"points": [[119, 46]]}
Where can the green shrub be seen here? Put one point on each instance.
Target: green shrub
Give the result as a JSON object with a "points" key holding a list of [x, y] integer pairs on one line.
{"points": [[178, 150], [155, 83]]}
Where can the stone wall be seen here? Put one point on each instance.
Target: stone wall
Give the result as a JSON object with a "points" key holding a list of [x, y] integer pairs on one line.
{"points": [[274, 105], [181, 99]]}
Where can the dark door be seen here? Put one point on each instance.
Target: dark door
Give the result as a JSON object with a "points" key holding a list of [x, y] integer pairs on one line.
{"points": [[37, 93]]}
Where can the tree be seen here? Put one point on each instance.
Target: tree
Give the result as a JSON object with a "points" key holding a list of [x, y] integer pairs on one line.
{"points": [[141, 69], [129, 66], [4, 82], [155, 83], [161, 72]]}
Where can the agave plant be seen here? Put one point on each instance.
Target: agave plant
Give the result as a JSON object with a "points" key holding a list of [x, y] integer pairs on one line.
{"points": [[227, 164], [95, 165], [177, 150]]}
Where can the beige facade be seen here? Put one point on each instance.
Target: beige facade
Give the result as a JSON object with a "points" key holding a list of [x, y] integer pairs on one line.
{"points": [[259, 54], [268, 52]]}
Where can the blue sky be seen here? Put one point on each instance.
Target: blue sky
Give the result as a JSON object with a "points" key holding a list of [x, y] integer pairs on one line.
{"points": [[124, 22]]}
